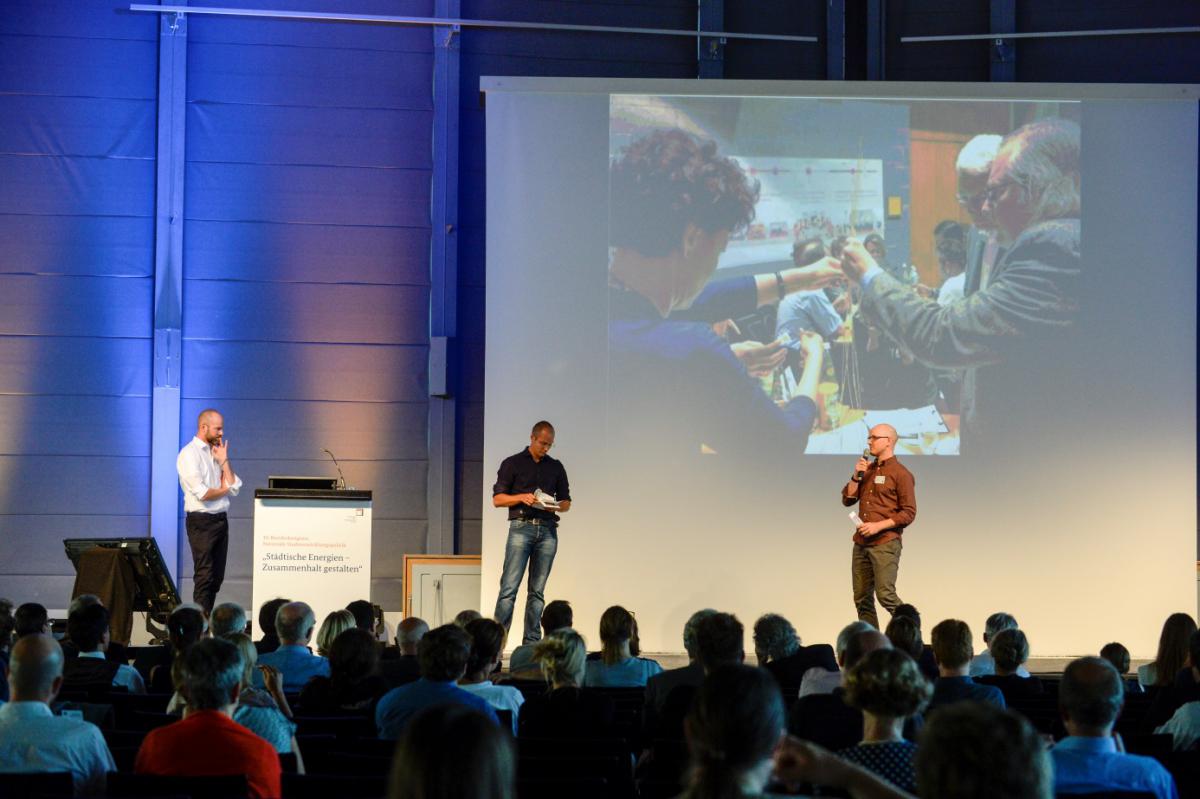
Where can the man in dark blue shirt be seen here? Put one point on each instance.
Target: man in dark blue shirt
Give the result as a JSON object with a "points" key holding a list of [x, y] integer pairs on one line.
{"points": [[532, 485], [953, 649]]}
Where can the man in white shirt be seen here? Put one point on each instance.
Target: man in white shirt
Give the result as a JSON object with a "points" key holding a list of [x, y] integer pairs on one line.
{"points": [[207, 479], [32, 738]]}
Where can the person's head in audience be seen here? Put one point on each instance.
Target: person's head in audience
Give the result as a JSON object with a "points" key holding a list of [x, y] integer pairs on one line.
{"points": [[1010, 650], [557, 615], [443, 652], [995, 624], [774, 638], [185, 626], [1090, 697], [973, 750], [1173, 647], [735, 723], [249, 655], [226, 619], [808, 252], [1116, 654], [336, 623], [1034, 177], [294, 624], [908, 611], [364, 615], [887, 685], [720, 641], [843, 640], [211, 675], [88, 628], [952, 647], [563, 658], [487, 648], [837, 245], [267, 614], [479, 764], [972, 166], [465, 617], [616, 632], [31, 619], [689, 631], [949, 244], [353, 657], [905, 635], [409, 633], [82, 601], [859, 646], [35, 668]]}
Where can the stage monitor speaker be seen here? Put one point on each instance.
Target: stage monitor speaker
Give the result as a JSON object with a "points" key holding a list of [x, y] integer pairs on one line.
{"points": [[132, 573]]}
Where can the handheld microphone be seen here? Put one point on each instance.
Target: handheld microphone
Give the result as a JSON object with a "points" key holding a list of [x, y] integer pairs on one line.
{"points": [[341, 477], [857, 475]]}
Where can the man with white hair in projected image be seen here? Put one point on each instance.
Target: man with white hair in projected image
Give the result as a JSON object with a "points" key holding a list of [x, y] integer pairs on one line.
{"points": [[971, 168]]}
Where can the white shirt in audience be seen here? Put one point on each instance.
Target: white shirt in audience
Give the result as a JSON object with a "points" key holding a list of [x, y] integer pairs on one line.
{"points": [[1184, 727], [982, 665], [32, 738], [819, 681], [126, 676], [501, 697]]}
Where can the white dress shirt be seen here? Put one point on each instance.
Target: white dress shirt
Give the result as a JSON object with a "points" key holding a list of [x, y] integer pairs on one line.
{"points": [[126, 676], [198, 472], [33, 739]]}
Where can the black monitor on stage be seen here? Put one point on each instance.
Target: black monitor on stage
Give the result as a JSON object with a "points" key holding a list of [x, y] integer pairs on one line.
{"points": [[154, 591]]}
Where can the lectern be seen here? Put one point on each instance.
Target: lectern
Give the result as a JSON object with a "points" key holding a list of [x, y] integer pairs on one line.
{"points": [[311, 544]]}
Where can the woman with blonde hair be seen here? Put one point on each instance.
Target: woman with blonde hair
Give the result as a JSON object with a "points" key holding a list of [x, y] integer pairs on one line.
{"points": [[619, 666], [566, 710], [334, 625]]}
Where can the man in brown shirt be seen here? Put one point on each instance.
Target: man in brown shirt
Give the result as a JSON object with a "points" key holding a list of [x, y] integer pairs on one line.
{"points": [[886, 496]]}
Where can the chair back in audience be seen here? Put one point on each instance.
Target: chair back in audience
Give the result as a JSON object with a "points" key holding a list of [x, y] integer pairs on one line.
{"points": [[131, 786], [324, 786], [46, 784]]}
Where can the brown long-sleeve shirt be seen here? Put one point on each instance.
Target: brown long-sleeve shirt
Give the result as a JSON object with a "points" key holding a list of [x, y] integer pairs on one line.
{"points": [[887, 491]]}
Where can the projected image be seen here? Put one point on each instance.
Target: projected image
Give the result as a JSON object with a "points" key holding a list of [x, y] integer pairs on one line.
{"points": [[786, 273]]}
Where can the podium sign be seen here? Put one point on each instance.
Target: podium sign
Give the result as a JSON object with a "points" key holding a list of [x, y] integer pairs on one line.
{"points": [[311, 545]]}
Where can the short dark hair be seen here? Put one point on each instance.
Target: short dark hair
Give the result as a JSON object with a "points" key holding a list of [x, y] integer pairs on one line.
{"points": [[353, 656], [909, 612], [443, 652], [808, 251], [951, 642], [487, 639], [30, 619], [669, 179], [1091, 692], [1009, 648], [267, 614], [720, 641], [905, 635], [211, 671], [1116, 654], [86, 627], [556, 615], [185, 626], [541, 426], [364, 614], [451, 751], [973, 749]]}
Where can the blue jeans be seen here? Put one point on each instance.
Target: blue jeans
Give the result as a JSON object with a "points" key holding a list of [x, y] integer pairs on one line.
{"points": [[535, 544]]}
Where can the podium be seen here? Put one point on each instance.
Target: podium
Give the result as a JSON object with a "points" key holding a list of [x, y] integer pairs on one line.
{"points": [[311, 545]]}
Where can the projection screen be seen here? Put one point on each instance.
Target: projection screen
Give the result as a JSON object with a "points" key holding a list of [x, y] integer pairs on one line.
{"points": [[710, 398]]}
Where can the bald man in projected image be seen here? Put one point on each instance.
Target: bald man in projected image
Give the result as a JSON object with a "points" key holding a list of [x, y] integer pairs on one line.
{"points": [[676, 387], [1020, 326]]}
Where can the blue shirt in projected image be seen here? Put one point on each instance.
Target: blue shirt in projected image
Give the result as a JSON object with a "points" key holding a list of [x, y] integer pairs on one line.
{"points": [[807, 310]]}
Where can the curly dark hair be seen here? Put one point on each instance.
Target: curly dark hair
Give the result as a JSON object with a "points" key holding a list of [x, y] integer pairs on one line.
{"points": [[668, 179]]}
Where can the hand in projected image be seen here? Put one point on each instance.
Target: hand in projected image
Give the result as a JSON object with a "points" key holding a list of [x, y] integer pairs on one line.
{"points": [[812, 345], [822, 273], [758, 358], [856, 261]]}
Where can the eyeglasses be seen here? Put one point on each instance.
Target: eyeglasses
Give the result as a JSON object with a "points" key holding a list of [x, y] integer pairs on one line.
{"points": [[991, 194], [877, 438]]}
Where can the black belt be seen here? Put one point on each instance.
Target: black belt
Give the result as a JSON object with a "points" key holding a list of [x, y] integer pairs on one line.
{"points": [[534, 520], [218, 515]]}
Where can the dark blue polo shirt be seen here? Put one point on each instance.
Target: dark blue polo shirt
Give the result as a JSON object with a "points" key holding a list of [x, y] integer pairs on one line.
{"points": [[521, 474]]}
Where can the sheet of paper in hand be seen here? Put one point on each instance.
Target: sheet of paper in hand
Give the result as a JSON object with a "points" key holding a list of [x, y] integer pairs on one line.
{"points": [[544, 501]]}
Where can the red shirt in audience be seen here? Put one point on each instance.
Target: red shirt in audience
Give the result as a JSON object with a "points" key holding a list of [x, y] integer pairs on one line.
{"points": [[206, 743]]}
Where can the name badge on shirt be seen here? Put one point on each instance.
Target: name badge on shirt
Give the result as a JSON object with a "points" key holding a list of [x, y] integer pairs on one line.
{"points": [[880, 479]]}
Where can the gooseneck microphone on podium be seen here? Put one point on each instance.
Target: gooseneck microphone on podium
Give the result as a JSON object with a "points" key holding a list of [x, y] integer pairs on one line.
{"points": [[341, 477], [857, 475]]}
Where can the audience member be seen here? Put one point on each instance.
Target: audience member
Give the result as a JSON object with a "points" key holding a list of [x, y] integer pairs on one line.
{"points": [[480, 764], [659, 687], [952, 649], [1184, 723], [226, 619], [116, 652], [465, 617], [294, 625], [443, 655], [982, 663], [265, 712], [825, 681], [618, 666], [487, 650], [732, 731], [1010, 650], [185, 626], [32, 738], [208, 741], [719, 642], [1116, 654], [1090, 697], [88, 628], [926, 661], [31, 619], [950, 247], [905, 635], [405, 669], [354, 684], [266, 625], [780, 650], [566, 710], [364, 616], [334, 625], [556, 615], [1172, 652], [888, 688]]}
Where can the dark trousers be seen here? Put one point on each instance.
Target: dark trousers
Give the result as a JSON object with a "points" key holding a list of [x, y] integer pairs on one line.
{"points": [[873, 570], [208, 536]]}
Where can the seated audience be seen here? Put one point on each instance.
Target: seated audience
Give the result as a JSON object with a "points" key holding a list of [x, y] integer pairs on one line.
{"points": [[353, 685], [719, 642], [88, 628], [481, 763], [982, 663], [566, 710], [905, 635], [1172, 652], [32, 738], [1116, 654], [31, 619], [443, 655], [208, 741], [888, 688], [185, 626], [264, 712], [294, 624], [825, 681], [779, 649], [334, 625], [927, 662], [266, 625], [732, 732], [556, 615], [226, 619], [952, 649], [405, 669], [487, 650], [1090, 697], [465, 617], [364, 616], [1010, 650], [1184, 723], [659, 687], [617, 666]]}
